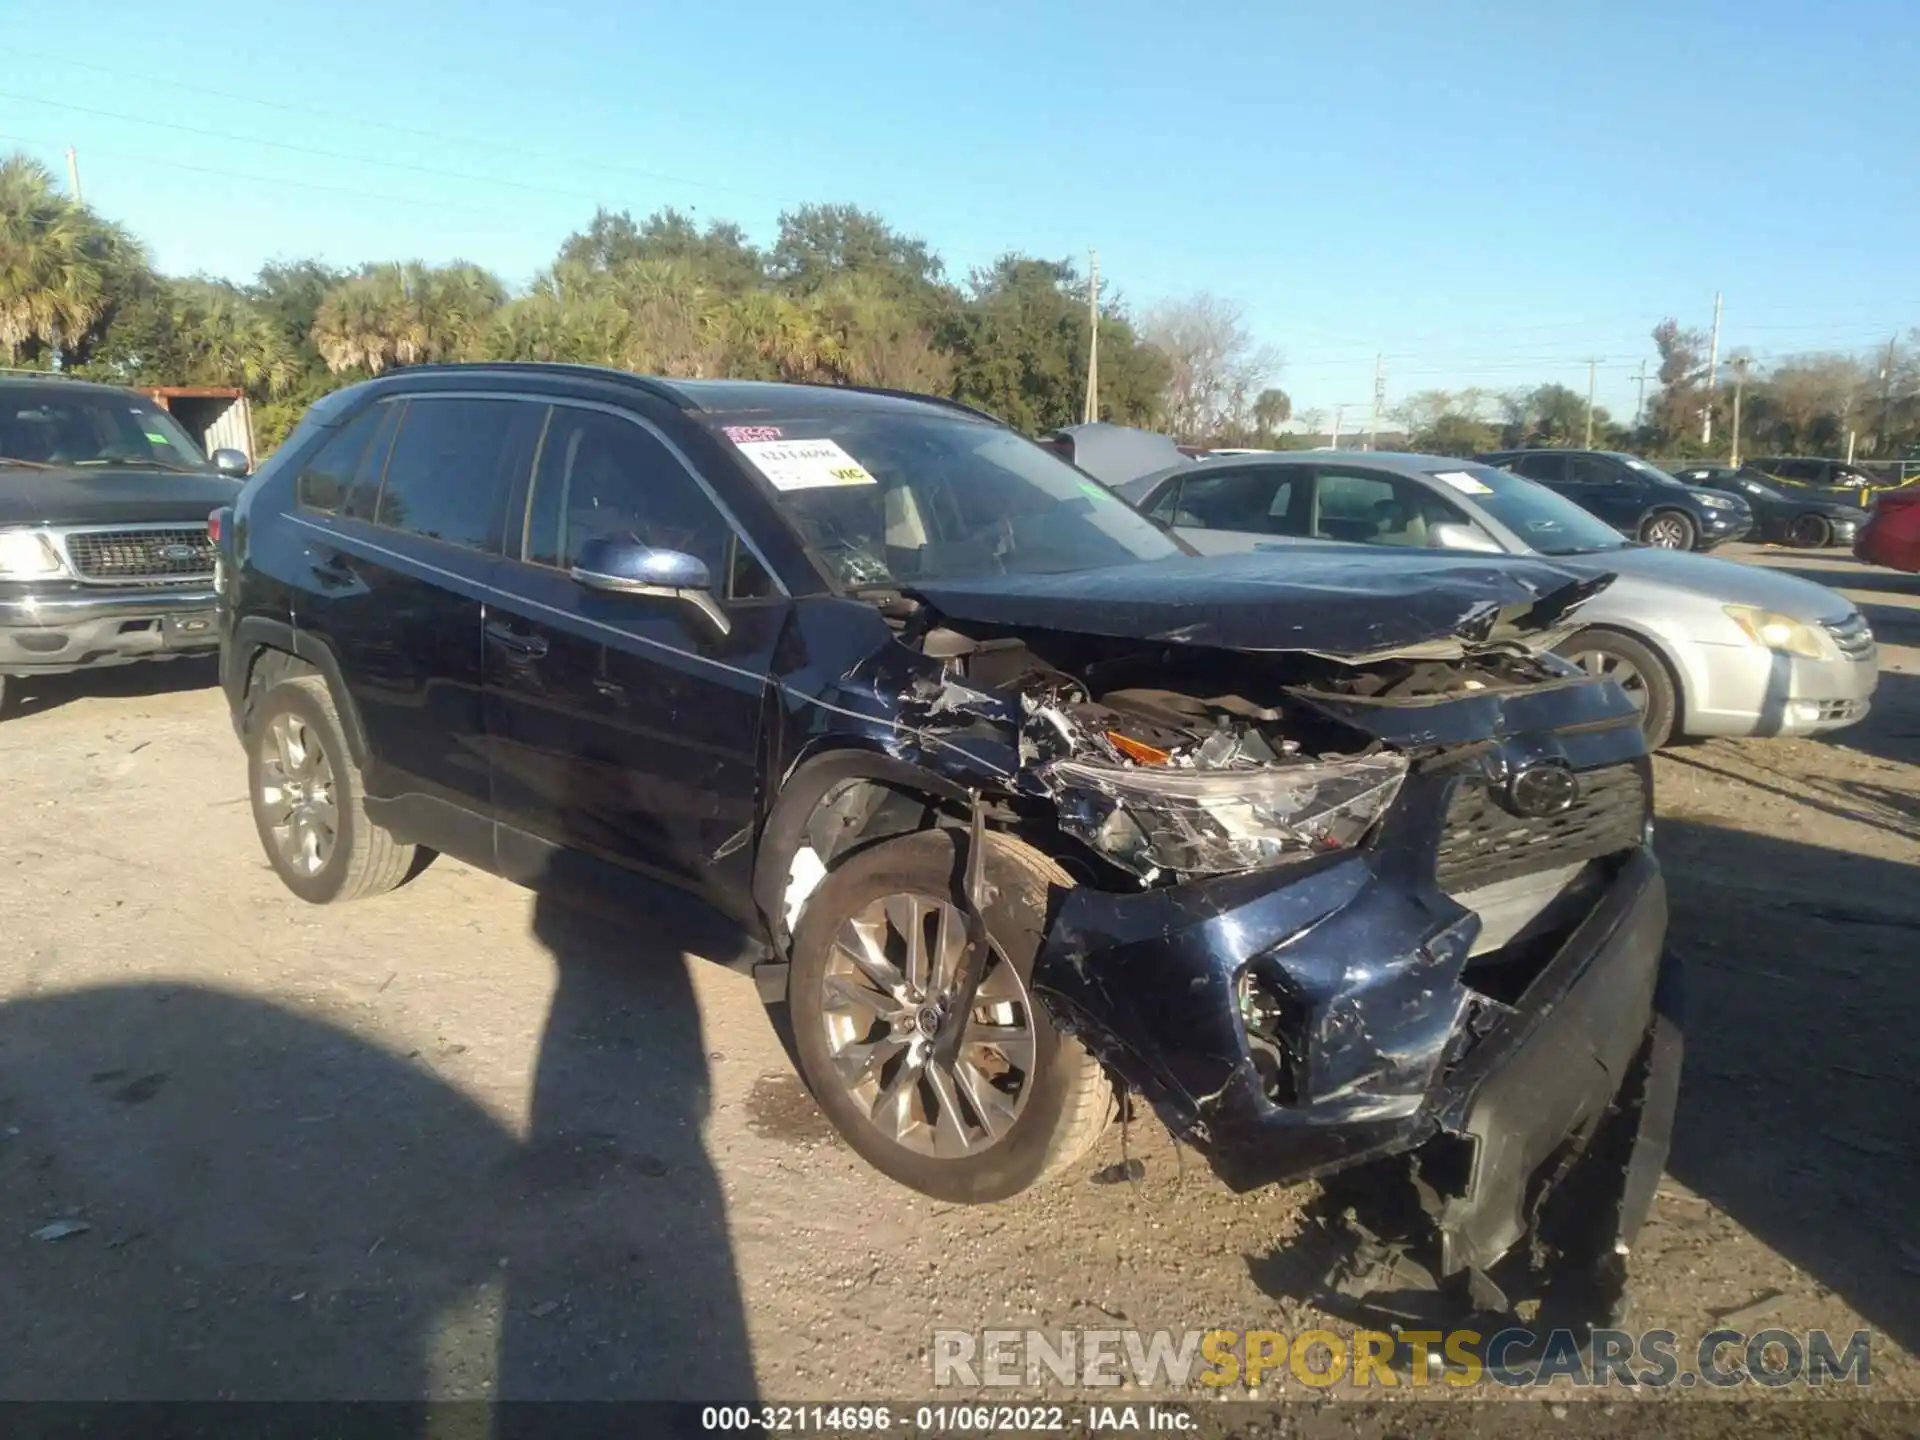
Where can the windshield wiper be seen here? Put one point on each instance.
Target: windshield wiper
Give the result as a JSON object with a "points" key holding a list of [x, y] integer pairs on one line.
{"points": [[122, 462]]}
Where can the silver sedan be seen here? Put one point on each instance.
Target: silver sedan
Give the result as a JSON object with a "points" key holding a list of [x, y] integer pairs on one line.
{"points": [[1704, 646]]}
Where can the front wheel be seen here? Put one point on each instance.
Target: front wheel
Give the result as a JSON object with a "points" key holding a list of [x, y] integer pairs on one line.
{"points": [[1810, 532], [874, 962], [1636, 670], [1669, 530]]}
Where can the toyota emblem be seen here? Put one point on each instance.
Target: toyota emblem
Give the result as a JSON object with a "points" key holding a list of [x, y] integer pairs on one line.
{"points": [[1543, 788]]}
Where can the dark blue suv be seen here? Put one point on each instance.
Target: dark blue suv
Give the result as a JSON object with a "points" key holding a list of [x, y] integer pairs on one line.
{"points": [[1005, 792], [1639, 500]]}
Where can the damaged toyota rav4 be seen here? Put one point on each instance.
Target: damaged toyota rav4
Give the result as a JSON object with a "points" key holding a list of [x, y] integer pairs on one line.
{"points": [[1321, 853]]}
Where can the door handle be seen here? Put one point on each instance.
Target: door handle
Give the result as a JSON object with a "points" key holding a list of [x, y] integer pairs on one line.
{"points": [[526, 647]]}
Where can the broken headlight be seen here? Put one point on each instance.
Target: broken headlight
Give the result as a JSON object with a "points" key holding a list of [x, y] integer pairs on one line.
{"points": [[1214, 822]]}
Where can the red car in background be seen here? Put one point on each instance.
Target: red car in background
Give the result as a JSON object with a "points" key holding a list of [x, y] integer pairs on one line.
{"points": [[1891, 536]]}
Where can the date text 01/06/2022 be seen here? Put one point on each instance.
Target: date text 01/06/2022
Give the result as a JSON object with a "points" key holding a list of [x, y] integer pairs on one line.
{"points": [[956, 1419]]}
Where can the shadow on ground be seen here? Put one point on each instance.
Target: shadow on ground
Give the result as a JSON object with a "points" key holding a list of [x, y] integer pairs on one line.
{"points": [[278, 1208], [1798, 1112], [34, 694]]}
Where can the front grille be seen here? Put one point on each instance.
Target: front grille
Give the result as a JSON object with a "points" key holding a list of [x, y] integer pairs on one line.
{"points": [[1484, 843], [1852, 635], [148, 554]]}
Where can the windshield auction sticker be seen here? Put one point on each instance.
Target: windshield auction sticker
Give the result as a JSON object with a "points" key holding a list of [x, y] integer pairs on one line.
{"points": [[804, 464], [1463, 482]]}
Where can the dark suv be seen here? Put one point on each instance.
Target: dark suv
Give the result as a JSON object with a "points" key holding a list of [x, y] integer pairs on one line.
{"points": [[1639, 500], [1008, 790], [104, 555], [1818, 473]]}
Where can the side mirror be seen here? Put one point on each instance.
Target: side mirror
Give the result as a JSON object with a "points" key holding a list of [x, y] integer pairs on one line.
{"points": [[231, 462], [1462, 537], [623, 567]]}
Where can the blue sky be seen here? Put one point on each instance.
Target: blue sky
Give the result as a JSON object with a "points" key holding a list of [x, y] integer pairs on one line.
{"points": [[1487, 192]]}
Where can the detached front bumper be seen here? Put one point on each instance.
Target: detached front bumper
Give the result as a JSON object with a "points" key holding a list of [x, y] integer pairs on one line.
{"points": [[1398, 1037], [51, 633]]}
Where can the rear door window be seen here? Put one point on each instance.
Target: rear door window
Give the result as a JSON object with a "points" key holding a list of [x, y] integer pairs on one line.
{"points": [[1238, 499], [453, 463], [1547, 469]]}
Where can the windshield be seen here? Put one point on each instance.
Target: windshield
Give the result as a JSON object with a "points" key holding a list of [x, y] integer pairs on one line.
{"points": [[1547, 522], [886, 497], [1652, 472], [52, 425]]}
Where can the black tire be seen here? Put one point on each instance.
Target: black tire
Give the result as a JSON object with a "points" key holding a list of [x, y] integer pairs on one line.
{"points": [[1810, 532], [1608, 652], [363, 859], [1068, 1099], [1670, 530], [7, 688]]}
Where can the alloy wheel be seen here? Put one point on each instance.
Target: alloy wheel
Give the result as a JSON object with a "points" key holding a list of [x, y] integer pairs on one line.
{"points": [[888, 998], [1621, 671], [297, 795], [1668, 533]]}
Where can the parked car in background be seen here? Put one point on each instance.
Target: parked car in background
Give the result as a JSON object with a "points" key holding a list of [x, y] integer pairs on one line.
{"points": [[1891, 536], [1115, 453], [1639, 500], [1779, 517], [1006, 789], [104, 556], [1845, 479], [1703, 646]]}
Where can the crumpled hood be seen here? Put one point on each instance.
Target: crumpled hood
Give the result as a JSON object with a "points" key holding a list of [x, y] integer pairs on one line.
{"points": [[110, 495], [1727, 581], [1344, 601]]}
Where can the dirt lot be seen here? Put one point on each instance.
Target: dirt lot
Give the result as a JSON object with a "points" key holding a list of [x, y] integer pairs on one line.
{"points": [[458, 1142]]}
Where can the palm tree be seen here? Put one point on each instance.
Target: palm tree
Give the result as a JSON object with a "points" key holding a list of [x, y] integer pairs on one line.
{"points": [[406, 314], [60, 264], [228, 340]]}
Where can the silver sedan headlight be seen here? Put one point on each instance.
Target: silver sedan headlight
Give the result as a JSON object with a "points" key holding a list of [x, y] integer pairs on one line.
{"points": [[29, 555], [1213, 822], [1774, 631]]}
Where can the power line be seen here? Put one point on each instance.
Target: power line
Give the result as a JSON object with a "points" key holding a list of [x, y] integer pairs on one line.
{"points": [[265, 179], [439, 137]]}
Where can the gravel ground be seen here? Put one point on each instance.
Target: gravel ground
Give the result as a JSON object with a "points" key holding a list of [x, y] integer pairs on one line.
{"points": [[461, 1143]]}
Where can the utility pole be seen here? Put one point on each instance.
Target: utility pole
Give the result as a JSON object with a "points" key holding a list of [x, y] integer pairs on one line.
{"points": [[1092, 413], [1739, 384], [1592, 365], [1379, 398], [73, 174], [1713, 374], [1886, 395], [1339, 414], [1640, 399]]}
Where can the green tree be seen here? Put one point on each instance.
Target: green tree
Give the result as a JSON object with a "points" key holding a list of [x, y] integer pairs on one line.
{"points": [[409, 314], [819, 244], [1019, 348], [720, 253], [1272, 408], [63, 269]]}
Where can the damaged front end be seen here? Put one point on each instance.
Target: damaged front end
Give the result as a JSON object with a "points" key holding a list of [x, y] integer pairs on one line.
{"points": [[1338, 908]]}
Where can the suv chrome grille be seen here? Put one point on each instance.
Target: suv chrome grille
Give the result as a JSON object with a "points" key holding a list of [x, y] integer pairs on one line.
{"points": [[1484, 843], [1852, 635], [148, 554]]}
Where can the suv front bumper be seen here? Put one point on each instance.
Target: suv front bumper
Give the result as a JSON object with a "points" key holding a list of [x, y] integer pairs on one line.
{"points": [[1396, 1038], [82, 628]]}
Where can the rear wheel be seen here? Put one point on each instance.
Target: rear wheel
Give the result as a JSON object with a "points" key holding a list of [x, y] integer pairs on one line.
{"points": [[309, 803], [1669, 530], [1636, 670], [874, 962], [1810, 532]]}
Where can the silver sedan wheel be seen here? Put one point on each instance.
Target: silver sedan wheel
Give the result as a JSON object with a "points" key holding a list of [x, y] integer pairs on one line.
{"points": [[887, 998], [1668, 532], [297, 795], [1622, 672]]}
